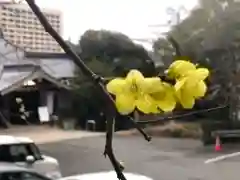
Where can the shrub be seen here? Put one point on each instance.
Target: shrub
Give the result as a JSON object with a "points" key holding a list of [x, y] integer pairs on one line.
{"points": [[173, 129]]}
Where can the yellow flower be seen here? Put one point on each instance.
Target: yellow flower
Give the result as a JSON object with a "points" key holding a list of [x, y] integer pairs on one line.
{"points": [[191, 87], [165, 99], [134, 92], [180, 68]]}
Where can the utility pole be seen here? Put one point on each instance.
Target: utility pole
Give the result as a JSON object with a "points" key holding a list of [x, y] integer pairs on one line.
{"points": [[175, 15], [175, 19]]}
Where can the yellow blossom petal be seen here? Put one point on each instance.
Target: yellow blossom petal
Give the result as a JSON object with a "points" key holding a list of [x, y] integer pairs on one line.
{"points": [[169, 102], [179, 84], [192, 81], [125, 103], [134, 76], [167, 105], [200, 89], [146, 104], [116, 86], [151, 85], [180, 68], [187, 101], [166, 100], [202, 73], [185, 96]]}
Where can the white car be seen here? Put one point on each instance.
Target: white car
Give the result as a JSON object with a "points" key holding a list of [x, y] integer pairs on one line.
{"points": [[111, 175], [22, 151], [10, 171]]}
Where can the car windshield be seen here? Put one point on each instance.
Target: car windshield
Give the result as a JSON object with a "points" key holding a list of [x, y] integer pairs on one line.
{"points": [[18, 152]]}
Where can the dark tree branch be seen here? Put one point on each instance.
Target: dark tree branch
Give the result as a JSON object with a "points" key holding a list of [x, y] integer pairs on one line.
{"points": [[182, 115], [175, 45], [111, 109], [97, 79], [108, 149], [139, 128]]}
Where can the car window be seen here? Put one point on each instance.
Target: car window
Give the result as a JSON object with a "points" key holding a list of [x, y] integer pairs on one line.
{"points": [[21, 176], [35, 151], [10, 176], [18, 152]]}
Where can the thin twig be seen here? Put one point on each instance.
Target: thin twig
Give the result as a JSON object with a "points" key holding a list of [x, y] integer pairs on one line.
{"points": [[182, 115], [97, 79], [140, 129]]}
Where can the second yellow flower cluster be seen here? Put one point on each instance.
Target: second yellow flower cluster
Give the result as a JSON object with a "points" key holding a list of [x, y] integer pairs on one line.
{"points": [[152, 95]]}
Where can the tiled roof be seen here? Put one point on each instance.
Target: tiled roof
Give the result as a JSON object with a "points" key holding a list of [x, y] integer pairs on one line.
{"points": [[12, 79], [57, 65], [17, 68], [58, 68]]}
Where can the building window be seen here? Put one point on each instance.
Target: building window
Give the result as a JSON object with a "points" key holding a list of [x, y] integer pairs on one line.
{"points": [[10, 9], [17, 11]]}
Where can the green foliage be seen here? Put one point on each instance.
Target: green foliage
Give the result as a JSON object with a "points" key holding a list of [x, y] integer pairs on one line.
{"points": [[210, 36], [215, 24], [177, 130], [117, 51]]}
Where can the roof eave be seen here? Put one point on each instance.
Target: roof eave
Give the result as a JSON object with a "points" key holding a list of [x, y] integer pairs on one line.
{"points": [[35, 74]]}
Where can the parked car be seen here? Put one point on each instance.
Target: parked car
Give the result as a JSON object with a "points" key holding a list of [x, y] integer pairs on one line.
{"points": [[10, 171], [106, 176], [24, 152]]}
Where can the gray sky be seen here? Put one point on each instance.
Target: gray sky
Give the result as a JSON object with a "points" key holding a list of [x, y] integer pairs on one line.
{"points": [[130, 17]]}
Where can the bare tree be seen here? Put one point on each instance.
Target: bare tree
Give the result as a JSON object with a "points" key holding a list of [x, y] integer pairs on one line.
{"points": [[110, 110]]}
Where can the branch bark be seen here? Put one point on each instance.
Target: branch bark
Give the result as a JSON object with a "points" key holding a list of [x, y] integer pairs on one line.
{"points": [[182, 115], [97, 79], [135, 121], [109, 150]]}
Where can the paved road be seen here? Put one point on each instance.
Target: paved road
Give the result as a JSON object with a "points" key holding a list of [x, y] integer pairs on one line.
{"points": [[161, 159]]}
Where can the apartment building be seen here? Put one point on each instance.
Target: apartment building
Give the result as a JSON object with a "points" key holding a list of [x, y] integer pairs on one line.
{"points": [[20, 26]]}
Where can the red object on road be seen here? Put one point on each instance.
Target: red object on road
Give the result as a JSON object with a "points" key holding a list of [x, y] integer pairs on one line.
{"points": [[218, 146]]}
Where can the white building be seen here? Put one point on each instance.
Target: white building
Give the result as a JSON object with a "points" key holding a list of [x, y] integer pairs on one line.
{"points": [[21, 27]]}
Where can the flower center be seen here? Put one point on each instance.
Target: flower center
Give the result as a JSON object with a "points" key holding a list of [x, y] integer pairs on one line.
{"points": [[134, 88]]}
